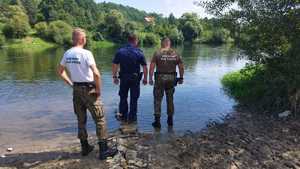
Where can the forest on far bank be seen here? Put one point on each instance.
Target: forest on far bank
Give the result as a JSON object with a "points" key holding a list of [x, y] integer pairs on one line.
{"points": [[53, 22]]}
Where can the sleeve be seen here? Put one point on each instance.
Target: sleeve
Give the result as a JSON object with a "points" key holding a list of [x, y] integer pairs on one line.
{"points": [[142, 59], [90, 59], [116, 59], [63, 60]]}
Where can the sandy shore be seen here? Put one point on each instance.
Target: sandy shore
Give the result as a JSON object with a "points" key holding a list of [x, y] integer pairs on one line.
{"points": [[243, 141]]}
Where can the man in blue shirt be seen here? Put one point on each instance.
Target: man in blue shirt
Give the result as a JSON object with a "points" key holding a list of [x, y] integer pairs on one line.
{"points": [[128, 60]]}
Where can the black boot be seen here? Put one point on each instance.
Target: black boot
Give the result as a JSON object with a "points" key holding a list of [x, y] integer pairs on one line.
{"points": [[105, 151], [85, 147], [156, 123], [170, 120]]}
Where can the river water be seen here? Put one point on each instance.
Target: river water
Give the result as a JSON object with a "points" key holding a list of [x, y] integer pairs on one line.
{"points": [[35, 103]]}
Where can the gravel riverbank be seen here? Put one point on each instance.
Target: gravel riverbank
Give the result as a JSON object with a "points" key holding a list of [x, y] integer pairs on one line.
{"points": [[241, 141]]}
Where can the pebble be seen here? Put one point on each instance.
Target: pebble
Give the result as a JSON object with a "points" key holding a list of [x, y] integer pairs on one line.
{"points": [[10, 149], [284, 114], [131, 155], [3, 156]]}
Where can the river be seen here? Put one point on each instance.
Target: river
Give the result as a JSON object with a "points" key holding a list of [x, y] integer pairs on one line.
{"points": [[36, 104]]}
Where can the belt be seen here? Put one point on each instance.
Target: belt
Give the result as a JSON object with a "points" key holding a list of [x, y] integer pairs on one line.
{"points": [[134, 74], [166, 73], [84, 84]]}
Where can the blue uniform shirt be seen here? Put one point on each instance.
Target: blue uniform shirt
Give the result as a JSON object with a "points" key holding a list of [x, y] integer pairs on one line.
{"points": [[130, 59]]}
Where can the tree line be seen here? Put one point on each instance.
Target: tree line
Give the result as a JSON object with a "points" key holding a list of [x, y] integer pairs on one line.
{"points": [[53, 21], [268, 32]]}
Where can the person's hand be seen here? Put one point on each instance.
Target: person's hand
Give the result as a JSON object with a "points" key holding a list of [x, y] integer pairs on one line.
{"points": [[71, 85], [180, 81], [145, 82], [151, 82], [116, 81], [98, 94]]}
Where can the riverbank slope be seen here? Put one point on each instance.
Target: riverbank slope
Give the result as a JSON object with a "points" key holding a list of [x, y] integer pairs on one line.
{"points": [[244, 140]]}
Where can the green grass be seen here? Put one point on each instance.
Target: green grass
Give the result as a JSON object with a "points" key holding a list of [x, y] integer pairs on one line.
{"points": [[32, 43], [246, 85]]}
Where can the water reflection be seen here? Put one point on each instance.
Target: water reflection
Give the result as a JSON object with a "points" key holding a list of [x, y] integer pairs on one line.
{"points": [[34, 102]]}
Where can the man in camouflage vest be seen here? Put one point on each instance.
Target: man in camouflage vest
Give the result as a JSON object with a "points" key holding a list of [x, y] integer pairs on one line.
{"points": [[165, 60]]}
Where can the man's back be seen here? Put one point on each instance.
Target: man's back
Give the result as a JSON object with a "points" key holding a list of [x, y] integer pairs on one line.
{"points": [[166, 60], [78, 62], [130, 59]]}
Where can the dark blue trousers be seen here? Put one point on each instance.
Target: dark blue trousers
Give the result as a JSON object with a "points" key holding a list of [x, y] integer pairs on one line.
{"points": [[129, 83]]}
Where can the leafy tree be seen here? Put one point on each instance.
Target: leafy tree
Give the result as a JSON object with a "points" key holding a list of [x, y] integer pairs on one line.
{"points": [[190, 26], [42, 30], [151, 39], [129, 28], [60, 32], [31, 9], [175, 35], [17, 25], [190, 31], [114, 25], [172, 20], [271, 37]]}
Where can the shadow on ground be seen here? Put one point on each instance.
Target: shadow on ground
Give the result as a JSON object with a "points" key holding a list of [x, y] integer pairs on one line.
{"points": [[53, 159]]}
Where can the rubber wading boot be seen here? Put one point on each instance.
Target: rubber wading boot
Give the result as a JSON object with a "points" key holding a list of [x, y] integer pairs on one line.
{"points": [[170, 121], [105, 151], [85, 147], [156, 123]]}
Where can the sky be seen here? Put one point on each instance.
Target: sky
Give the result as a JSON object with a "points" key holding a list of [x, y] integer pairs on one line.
{"points": [[165, 7]]}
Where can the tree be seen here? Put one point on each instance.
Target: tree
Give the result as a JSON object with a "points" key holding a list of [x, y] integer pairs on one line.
{"points": [[114, 25], [129, 28], [31, 9], [271, 37], [190, 31], [172, 20], [16, 23], [190, 26], [60, 32], [175, 35], [42, 30], [151, 39]]}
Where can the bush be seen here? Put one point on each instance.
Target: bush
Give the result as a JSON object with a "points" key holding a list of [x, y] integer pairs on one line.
{"points": [[16, 28], [247, 84], [150, 39], [260, 87], [42, 30], [60, 32]]}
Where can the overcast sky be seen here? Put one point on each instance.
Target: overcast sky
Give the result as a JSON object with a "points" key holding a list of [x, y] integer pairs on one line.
{"points": [[165, 7]]}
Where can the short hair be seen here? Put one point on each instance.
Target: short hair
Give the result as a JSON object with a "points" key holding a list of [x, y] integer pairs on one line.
{"points": [[165, 40], [132, 38], [76, 33]]}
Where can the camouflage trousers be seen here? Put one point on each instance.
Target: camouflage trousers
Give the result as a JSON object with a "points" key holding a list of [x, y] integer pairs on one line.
{"points": [[84, 99], [164, 83]]}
